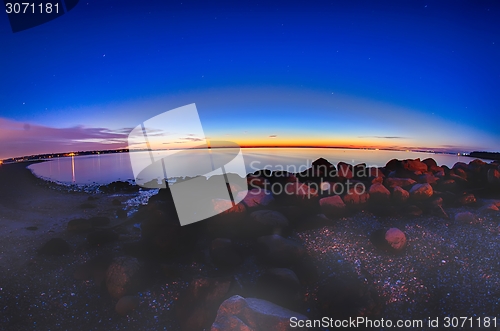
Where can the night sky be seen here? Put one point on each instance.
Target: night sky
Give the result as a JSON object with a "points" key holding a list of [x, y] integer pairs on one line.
{"points": [[388, 74]]}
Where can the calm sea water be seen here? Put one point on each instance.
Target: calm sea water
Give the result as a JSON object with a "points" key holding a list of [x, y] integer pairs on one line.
{"points": [[106, 168]]}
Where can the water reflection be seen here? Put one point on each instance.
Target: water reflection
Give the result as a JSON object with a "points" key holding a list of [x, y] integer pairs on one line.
{"points": [[106, 168]]}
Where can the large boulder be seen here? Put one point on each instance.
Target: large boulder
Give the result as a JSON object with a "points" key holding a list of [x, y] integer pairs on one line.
{"points": [[399, 195], [393, 165], [240, 314], [415, 165], [345, 170], [123, 276], [421, 191], [320, 168], [332, 206], [430, 162], [379, 194], [356, 198]]}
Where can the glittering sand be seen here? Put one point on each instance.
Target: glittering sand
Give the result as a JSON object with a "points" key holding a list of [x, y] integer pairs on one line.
{"points": [[449, 268]]}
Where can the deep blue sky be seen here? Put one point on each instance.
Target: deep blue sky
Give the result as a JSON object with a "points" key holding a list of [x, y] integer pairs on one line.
{"points": [[400, 74]]}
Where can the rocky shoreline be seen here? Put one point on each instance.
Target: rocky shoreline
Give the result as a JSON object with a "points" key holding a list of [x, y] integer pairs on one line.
{"points": [[411, 240]]}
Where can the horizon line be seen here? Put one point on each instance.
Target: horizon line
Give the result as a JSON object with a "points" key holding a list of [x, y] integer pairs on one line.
{"points": [[121, 150]]}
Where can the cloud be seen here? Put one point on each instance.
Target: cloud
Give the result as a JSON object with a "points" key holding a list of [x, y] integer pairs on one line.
{"points": [[20, 139], [273, 136], [384, 137], [191, 139]]}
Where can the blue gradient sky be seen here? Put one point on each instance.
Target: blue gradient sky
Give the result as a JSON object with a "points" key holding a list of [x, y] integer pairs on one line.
{"points": [[395, 74]]}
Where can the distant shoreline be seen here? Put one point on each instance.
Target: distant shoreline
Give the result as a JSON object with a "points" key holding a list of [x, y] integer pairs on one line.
{"points": [[45, 157], [486, 155]]}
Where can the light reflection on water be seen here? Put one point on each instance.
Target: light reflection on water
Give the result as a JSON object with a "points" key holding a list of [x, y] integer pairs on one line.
{"points": [[106, 168]]}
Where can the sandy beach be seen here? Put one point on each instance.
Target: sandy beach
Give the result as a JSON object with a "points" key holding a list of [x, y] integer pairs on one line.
{"points": [[448, 267]]}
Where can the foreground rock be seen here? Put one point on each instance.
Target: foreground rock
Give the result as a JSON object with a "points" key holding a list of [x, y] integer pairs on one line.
{"points": [[240, 314], [333, 206], [197, 307], [391, 240], [421, 191], [123, 276]]}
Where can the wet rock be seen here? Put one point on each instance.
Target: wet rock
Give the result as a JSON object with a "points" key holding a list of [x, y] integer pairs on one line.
{"points": [[87, 205], [198, 304], [55, 246], [278, 251], [421, 191], [401, 182], [101, 237], [399, 195], [32, 228], [79, 225], [332, 206], [379, 194], [127, 304], [223, 254], [123, 276], [116, 202], [238, 313]]}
